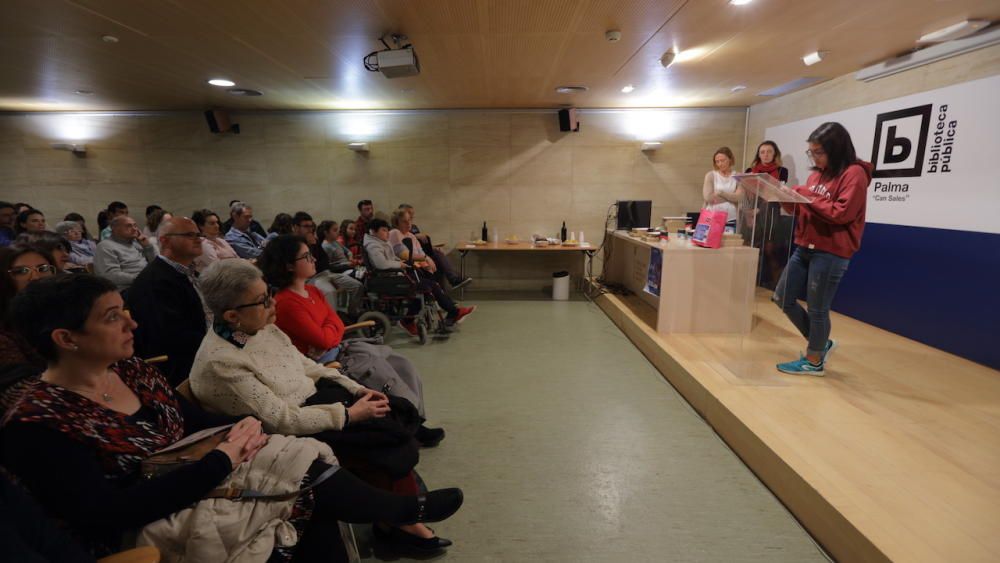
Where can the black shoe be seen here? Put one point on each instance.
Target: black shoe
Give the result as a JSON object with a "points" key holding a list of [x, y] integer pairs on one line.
{"points": [[399, 539], [436, 506], [429, 437]]}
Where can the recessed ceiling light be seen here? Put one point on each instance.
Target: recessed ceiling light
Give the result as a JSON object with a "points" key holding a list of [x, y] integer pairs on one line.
{"points": [[244, 92], [83, 92], [628, 89], [571, 89], [224, 82], [738, 88], [813, 58], [109, 39], [739, 2]]}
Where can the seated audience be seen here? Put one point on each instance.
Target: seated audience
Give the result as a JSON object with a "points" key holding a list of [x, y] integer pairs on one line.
{"points": [[445, 269], [115, 209], [316, 330], [55, 246], [29, 221], [350, 240], [21, 207], [78, 219], [367, 210], [7, 217], [124, 254], [148, 230], [100, 412], [382, 257], [247, 366], [153, 221], [281, 225], [213, 247], [82, 249], [164, 300], [19, 266], [328, 281], [254, 225], [246, 242]]}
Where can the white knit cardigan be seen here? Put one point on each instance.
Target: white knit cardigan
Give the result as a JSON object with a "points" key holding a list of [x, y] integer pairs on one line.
{"points": [[269, 379]]}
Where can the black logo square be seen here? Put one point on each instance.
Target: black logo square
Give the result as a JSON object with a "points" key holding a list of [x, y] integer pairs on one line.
{"points": [[900, 140]]}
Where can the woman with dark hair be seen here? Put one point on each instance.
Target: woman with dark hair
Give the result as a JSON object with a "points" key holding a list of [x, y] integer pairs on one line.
{"points": [[719, 190], [247, 366], [282, 225], [102, 221], [214, 246], [828, 232], [768, 161], [348, 240], [29, 221], [78, 219], [99, 411], [54, 245], [19, 266]]}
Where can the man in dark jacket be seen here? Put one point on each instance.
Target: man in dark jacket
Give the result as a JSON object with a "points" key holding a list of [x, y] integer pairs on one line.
{"points": [[165, 302]]}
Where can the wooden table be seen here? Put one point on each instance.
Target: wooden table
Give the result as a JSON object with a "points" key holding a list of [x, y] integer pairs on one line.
{"points": [[587, 249]]}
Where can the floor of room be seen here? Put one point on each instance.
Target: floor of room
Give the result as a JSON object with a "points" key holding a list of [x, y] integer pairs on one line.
{"points": [[570, 446]]}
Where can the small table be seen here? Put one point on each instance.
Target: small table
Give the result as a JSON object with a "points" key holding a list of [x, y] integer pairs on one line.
{"points": [[588, 250]]}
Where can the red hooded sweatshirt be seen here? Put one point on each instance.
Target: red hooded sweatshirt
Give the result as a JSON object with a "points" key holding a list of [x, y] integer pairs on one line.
{"points": [[834, 218]]}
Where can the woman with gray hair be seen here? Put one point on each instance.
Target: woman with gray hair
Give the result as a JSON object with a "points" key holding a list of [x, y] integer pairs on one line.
{"points": [[81, 248], [247, 366]]}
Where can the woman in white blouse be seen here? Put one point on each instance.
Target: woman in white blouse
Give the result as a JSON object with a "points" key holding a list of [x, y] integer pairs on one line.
{"points": [[719, 190], [213, 246]]}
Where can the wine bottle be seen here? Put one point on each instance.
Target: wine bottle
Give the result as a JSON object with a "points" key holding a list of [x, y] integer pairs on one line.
{"points": [[485, 232], [562, 233]]}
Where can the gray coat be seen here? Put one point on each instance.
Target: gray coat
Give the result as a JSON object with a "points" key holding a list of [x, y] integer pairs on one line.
{"points": [[380, 254]]}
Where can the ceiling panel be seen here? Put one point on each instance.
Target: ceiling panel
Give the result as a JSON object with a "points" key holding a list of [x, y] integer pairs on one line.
{"points": [[306, 54]]}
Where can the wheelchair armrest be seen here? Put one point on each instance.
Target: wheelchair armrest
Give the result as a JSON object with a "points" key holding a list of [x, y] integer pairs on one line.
{"points": [[146, 554], [359, 326]]}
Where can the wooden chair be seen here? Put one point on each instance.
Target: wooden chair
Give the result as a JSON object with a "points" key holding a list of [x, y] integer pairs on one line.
{"points": [[184, 390]]}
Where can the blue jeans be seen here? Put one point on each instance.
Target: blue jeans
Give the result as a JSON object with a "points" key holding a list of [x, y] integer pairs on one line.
{"points": [[329, 356], [815, 275]]}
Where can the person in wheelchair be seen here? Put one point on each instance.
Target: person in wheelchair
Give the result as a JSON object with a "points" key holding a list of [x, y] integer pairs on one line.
{"points": [[383, 259]]}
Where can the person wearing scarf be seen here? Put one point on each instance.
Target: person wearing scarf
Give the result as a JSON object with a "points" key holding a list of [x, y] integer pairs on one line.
{"points": [[768, 161]]}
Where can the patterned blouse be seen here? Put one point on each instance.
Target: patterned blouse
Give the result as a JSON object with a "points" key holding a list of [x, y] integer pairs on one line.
{"points": [[121, 441]]}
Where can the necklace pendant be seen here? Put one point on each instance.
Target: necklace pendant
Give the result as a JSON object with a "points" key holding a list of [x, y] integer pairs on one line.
{"points": [[107, 397]]}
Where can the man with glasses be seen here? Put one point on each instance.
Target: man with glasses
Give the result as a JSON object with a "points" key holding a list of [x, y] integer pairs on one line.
{"points": [[124, 254], [164, 300], [7, 215]]}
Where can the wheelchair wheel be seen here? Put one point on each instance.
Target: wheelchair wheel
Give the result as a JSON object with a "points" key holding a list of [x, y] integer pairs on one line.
{"points": [[422, 331], [382, 324]]}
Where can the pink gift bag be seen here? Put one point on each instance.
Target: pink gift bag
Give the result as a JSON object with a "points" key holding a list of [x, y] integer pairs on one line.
{"points": [[708, 232]]}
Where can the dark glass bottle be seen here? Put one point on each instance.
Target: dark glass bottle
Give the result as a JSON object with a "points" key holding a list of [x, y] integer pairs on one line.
{"points": [[485, 232], [562, 233]]}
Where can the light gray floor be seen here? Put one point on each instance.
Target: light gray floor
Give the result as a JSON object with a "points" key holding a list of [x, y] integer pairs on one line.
{"points": [[570, 446]]}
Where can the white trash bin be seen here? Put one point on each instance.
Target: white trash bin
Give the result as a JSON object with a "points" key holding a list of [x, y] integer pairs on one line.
{"points": [[560, 286]]}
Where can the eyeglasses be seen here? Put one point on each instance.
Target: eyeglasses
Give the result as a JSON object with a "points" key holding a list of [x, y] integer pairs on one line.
{"points": [[266, 302], [813, 154], [190, 236], [306, 256], [26, 270]]}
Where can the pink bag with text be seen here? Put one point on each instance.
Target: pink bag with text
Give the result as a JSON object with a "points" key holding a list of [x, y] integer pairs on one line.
{"points": [[708, 232]]}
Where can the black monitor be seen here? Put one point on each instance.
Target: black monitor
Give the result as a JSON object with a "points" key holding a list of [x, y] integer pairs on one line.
{"points": [[633, 214]]}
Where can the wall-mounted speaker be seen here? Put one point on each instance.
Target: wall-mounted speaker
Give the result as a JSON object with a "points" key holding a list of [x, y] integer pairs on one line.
{"points": [[218, 122], [568, 120]]}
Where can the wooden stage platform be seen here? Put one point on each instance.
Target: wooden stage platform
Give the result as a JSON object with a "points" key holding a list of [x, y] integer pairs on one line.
{"points": [[894, 455]]}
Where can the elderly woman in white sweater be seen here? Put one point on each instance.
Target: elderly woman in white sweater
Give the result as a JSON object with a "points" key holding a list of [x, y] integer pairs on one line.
{"points": [[247, 366]]}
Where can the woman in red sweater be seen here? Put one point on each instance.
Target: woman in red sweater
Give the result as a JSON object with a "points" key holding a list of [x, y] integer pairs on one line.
{"points": [[827, 233]]}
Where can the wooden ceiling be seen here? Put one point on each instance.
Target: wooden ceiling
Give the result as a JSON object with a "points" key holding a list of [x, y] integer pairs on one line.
{"points": [[307, 54]]}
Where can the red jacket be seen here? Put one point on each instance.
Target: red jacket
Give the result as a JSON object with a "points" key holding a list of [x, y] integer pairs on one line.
{"points": [[310, 323], [834, 218]]}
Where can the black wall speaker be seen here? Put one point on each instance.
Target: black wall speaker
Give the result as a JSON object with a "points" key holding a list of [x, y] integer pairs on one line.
{"points": [[218, 122], [568, 120]]}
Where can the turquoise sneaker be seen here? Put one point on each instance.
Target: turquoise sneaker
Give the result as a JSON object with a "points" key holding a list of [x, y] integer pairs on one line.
{"points": [[831, 345], [801, 366]]}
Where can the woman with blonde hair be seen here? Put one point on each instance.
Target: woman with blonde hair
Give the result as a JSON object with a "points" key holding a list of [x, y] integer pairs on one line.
{"points": [[719, 190]]}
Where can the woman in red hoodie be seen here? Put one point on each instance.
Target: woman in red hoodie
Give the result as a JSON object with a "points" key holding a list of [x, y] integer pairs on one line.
{"points": [[827, 233]]}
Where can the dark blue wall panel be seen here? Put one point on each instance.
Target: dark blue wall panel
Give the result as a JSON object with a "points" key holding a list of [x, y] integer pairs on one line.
{"points": [[936, 286]]}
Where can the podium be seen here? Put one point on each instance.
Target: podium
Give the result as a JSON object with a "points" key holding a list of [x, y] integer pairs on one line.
{"points": [[766, 223]]}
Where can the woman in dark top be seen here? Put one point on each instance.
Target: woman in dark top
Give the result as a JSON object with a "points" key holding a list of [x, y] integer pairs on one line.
{"points": [[19, 266], [772, 230], [77, 436]]}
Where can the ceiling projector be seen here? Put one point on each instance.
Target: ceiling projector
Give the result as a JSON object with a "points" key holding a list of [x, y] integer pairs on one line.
{"points": [[394, 62]]}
